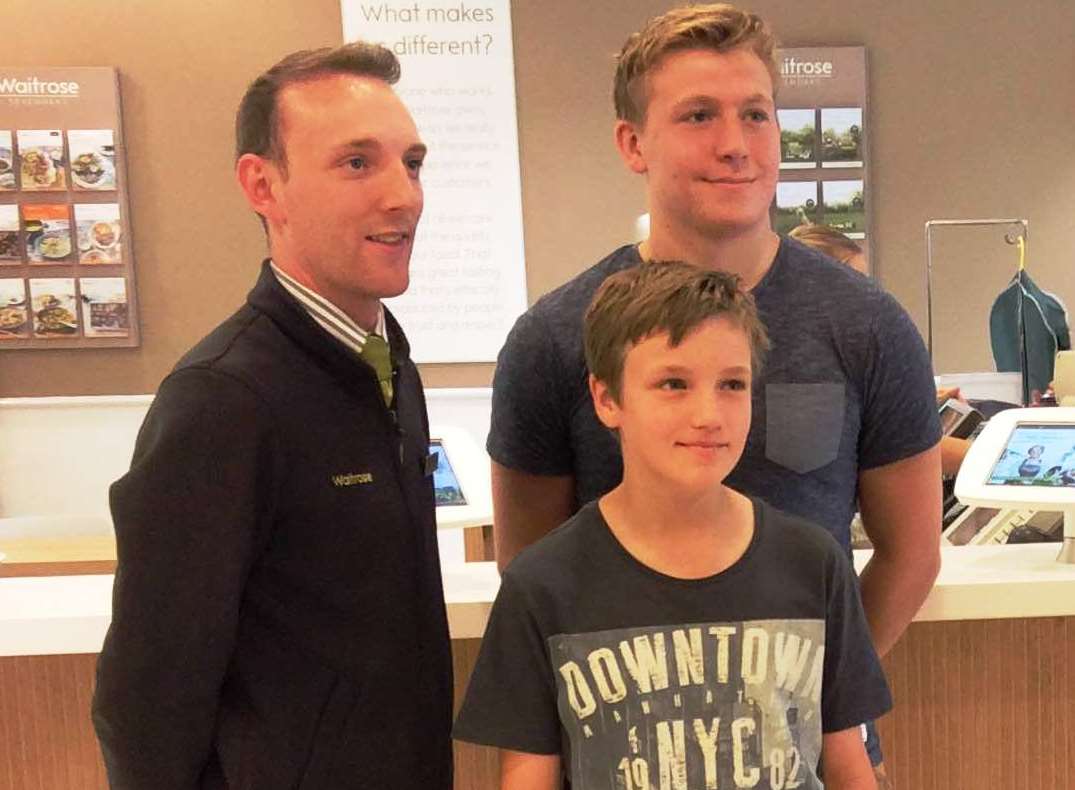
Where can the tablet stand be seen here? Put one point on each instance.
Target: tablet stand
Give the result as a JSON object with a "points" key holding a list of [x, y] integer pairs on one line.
{"points": [[1067, 548]]}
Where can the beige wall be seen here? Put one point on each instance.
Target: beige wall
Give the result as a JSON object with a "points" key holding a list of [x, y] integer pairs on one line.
{"points": [[970, 116]]}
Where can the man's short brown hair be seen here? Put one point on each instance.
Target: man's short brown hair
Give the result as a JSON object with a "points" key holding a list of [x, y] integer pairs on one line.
{"points": [[257, 123], [662, 296], [715, 26]]}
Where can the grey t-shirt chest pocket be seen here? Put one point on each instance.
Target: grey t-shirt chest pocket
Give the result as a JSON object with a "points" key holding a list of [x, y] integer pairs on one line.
{"points": [[804, 424]]}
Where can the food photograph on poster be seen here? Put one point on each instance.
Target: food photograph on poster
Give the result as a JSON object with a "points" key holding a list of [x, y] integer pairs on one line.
{"points": [[93, 159], [54, 307], [841, 137], [9, 235], [844, 207], [798, 138], [97, 227], [14, 319], [104, 306], [7, 161], [48, 233], [41, 160], [796, 204]]}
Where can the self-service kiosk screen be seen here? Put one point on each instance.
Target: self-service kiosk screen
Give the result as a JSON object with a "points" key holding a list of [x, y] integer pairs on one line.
{"points": [[1037, 455], [446, 489]]}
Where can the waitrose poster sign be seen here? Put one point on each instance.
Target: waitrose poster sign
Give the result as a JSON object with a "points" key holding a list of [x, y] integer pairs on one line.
{"points": [[66, 258], [824, 151]]}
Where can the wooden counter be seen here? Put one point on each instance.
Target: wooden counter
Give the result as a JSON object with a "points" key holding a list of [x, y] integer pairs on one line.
{"points": [[58, 556], [984, 680]]}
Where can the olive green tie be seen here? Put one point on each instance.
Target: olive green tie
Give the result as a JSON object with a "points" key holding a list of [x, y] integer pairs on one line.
{"points": [[377, 355]]}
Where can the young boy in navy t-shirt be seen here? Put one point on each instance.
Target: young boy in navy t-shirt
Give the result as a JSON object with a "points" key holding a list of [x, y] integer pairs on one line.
{"points": [[676, 634]]}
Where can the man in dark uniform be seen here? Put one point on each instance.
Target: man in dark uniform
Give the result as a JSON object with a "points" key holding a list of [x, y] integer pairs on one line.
{"points": [[278, 615]]}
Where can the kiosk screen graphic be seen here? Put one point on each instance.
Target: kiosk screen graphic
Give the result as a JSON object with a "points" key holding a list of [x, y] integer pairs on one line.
{"points": [[1037, 455]]}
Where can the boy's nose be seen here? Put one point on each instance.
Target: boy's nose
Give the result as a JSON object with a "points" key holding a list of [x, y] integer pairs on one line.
{"points": [[729, 140], [707, 411]]}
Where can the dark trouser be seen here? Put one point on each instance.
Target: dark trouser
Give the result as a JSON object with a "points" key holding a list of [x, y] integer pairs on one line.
{"points": [[873, 744], [877, 759]]}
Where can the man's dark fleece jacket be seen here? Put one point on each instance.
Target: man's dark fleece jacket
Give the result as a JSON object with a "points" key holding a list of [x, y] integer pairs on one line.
{"points": [[278, 617]]}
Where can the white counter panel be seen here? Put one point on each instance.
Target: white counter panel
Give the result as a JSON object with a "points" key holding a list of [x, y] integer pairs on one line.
{"points": [[70, 614], [469, 591], [997, 582], [54, 615]]}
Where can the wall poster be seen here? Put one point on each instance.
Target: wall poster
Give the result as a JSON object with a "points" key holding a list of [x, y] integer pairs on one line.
{"points": [[821, 105], [468, 275], [66, 268]]}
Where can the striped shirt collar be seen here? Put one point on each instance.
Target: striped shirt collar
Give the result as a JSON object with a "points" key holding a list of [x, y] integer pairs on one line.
{"points": [[328, 316]]}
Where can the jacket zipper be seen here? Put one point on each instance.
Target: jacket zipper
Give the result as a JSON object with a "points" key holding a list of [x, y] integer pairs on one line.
{"points": [[400, 433]]}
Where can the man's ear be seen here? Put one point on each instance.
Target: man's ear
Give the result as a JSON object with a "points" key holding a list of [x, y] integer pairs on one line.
{"points": [[628, 139], [604, 403], [257, 179]]}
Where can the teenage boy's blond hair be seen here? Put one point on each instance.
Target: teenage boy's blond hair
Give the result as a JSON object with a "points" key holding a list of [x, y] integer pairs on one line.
{"points": [[662, 296], [715, 26]]}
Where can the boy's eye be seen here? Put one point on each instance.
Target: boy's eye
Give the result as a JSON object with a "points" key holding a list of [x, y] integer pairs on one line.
{"points": [[699, 116], [735, 385], [759, 116], [356, 163], [673, 384]]}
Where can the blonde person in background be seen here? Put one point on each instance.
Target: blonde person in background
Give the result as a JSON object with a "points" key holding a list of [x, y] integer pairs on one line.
{"points": [[836, 245]]}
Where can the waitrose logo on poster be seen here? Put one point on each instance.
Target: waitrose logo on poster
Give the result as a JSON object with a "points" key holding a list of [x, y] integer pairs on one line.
{"points": [[795, 70], [32, 87]]}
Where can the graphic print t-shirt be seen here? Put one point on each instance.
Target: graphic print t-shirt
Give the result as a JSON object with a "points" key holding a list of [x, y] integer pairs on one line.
{"points": [[641, 680]]}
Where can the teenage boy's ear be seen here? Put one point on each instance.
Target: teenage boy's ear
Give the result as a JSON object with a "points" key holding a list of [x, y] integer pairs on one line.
{"points": [[604, 404], [628, 138]]}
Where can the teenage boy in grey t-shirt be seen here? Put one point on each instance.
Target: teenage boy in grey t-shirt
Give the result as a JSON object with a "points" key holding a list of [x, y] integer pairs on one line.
{"points": [[845, 407], [676, 633]]}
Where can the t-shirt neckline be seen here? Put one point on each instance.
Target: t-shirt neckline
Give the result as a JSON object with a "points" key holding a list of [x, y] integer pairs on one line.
{"points": [[759, 286], [625, 557]]}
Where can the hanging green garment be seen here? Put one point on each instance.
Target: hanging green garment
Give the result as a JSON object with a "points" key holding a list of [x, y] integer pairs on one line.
{"points": [[1045, 329]]}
